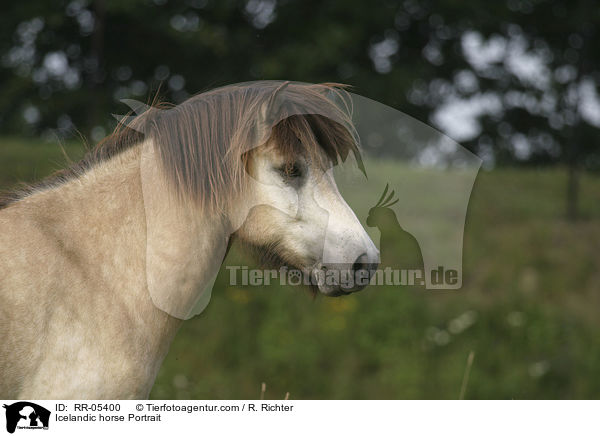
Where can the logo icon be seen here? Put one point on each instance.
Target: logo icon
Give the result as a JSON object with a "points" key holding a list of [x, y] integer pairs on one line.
{"points": [[26, 415], [398, 247]]}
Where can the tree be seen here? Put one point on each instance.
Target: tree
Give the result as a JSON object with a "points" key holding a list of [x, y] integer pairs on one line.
{"points": [[528, 72]]}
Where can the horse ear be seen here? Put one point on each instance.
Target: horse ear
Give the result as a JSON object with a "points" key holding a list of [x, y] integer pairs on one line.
{"points": [[138, 108]]}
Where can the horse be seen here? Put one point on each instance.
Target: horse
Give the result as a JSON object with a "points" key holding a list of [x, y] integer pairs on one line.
{"points": [[100, 263]]}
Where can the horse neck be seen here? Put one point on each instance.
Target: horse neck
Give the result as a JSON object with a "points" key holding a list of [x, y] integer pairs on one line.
{"points": [[100, 223], [97, 221], [186, 243]]}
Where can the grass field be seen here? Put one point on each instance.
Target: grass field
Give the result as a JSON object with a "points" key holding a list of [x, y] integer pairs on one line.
{"points": [[528, 309]]}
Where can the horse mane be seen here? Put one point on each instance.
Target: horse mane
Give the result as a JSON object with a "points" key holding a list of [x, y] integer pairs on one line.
{"points": [[202, 143]]}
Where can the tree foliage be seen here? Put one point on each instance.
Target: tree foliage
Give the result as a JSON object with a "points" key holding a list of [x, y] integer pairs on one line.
{"points": [[514, 81]]}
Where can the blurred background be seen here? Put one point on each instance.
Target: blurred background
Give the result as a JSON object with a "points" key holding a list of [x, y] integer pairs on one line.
{"points": [[514, 81]]}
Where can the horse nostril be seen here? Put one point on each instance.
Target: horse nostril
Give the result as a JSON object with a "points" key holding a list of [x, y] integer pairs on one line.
{"points": [[361, 263]]}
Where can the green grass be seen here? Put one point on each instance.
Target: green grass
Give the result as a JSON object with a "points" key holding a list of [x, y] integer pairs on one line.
{"points": [[530, 297], [25, 160]]}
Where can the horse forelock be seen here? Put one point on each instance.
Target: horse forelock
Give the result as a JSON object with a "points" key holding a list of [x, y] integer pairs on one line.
{"points": [[203, 143]]}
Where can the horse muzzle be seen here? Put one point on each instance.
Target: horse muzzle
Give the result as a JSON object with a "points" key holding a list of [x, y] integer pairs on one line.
{"points": [[337, 279]]}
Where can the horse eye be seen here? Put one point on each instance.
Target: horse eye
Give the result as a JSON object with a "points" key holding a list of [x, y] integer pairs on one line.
{"points": [[290, 171]]}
